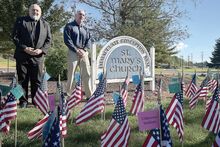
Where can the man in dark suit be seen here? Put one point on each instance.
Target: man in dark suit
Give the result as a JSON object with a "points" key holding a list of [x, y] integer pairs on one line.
{"points": [[32, 38]]}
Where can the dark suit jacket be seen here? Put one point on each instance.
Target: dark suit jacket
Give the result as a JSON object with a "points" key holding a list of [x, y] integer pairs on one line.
{"points": [[22, 39]]}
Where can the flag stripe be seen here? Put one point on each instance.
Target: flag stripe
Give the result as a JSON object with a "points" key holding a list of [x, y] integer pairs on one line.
{"points": [[37, 130], [41, 101], [138, 101], [91, 111]]}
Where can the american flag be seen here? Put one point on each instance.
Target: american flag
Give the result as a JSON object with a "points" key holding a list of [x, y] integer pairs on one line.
{"points": [[207, 104], [201, 92], [208, 101], [118, 132], [8, 112], [138, 100], [4, 125], [211, 120], [36, 132], [212, 84], [174, 114], [53, 138], [63, 111], [153, 139], [94, 105], [216, 143], [192, 88], [76, 96], [10, 108], [124, 90], [41, 97]]}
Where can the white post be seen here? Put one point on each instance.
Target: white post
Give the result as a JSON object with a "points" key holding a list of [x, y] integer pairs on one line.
{"points": [[93, 67], [152, 54]]}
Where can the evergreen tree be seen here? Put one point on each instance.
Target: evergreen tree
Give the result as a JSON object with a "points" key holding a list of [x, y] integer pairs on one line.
{"points": [[215, 59]]}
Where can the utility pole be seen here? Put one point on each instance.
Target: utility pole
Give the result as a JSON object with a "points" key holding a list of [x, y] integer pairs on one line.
{"points": [[1, 30], [188, 60], [202, 59], [182, 62], [192, 58]]}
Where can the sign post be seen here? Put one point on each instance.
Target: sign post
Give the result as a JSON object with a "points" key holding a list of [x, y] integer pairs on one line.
{"points": [[93, 67]]}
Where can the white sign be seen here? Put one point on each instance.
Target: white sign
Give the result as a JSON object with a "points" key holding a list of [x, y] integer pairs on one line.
{"points": [[123, 55]]}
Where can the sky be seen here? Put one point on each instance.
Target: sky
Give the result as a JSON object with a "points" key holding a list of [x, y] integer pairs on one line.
{"points": [[204, 29], [203, 23]]}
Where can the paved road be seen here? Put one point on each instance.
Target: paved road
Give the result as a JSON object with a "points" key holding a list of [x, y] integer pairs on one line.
{"points": [[7, 69]]}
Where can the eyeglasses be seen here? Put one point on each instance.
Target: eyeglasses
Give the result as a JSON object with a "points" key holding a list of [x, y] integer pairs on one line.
{"points": [[82, 14]]}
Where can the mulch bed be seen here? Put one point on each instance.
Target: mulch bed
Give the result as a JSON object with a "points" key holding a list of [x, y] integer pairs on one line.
{"points": [[111, 87]]}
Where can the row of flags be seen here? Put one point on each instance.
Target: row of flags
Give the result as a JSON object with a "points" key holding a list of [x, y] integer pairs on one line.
{"points": [[95, 104], [211, 119], [194, 93]]}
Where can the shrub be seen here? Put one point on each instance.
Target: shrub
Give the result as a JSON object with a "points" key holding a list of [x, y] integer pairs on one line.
{"points": [[56, 63]]}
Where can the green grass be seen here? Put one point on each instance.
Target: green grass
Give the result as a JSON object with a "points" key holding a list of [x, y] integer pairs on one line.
{"points": [[185, 70], [4, 63], [89, 133]]}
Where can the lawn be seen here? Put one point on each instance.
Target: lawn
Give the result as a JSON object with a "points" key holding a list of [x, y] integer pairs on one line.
{"points": [[4, 63], [89, 133]]}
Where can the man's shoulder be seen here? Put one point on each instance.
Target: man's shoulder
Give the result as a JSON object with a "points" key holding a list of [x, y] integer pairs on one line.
{"points": [[71, 24]]}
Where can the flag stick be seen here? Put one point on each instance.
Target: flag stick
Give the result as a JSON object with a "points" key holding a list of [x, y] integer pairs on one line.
{"points": [[0, 132], [58, 112], [159, 92], [16, 123], [119, 89], [63, 145], [1, 139], [104, 76], [16, 130], [142, 85], [103, 113], [159, 104], [160, 127]]}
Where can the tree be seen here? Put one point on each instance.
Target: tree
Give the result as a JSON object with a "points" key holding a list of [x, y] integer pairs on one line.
{"points": [[215, 59], [11, 9], [153, 22]]}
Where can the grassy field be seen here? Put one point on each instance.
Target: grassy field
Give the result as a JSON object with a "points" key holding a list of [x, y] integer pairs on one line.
{"points": [[88, 134], [4, 63]]}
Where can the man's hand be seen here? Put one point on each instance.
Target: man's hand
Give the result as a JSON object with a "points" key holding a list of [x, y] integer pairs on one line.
{"points": [[29, 50], [38, 51], [32, 51], [80, 52]]}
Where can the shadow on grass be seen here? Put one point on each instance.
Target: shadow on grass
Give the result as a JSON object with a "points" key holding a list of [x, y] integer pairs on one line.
{"points": [[203, 143], [25, 125], [86, 137]]}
